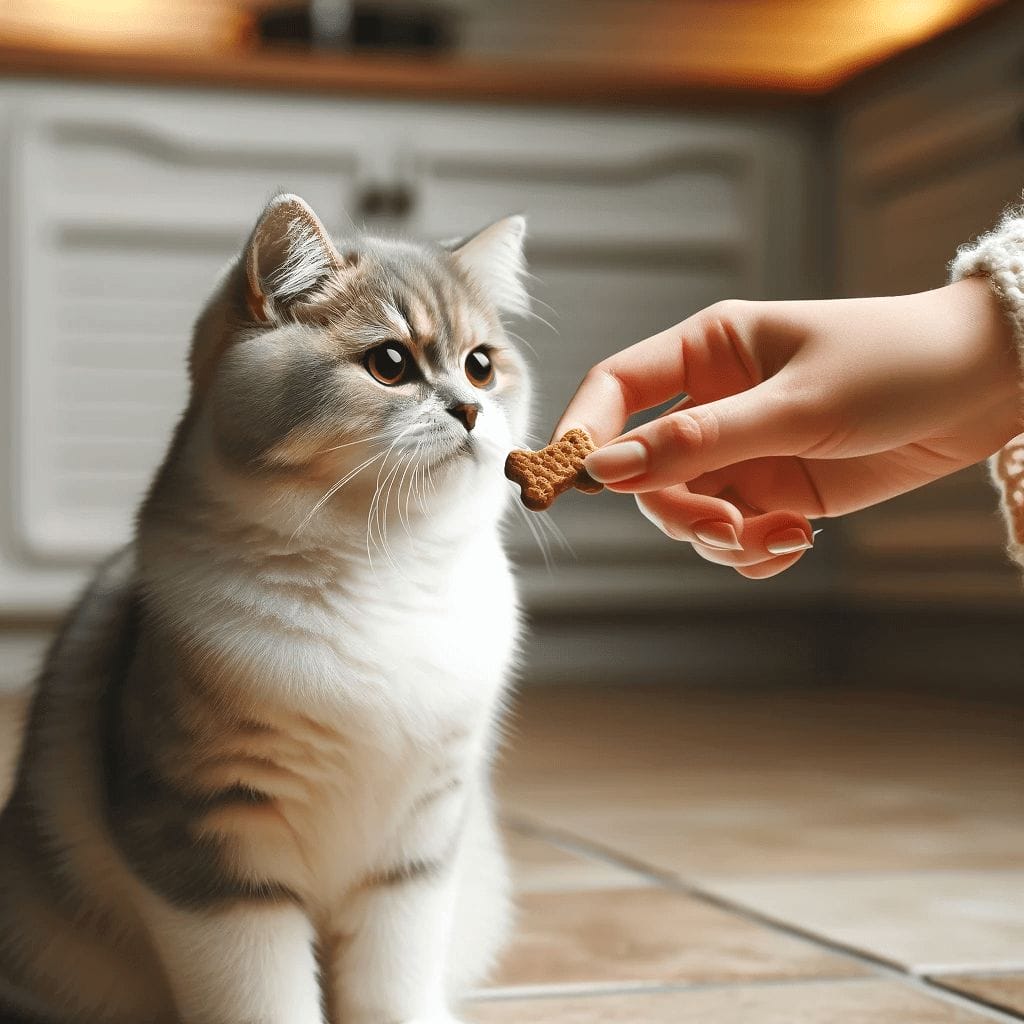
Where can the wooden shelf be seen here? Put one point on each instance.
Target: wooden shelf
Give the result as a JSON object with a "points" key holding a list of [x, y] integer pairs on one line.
{"points": [[657, 54]]}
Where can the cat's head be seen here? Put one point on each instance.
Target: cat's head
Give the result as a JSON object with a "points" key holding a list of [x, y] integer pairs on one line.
{"points": [[344, 369]]}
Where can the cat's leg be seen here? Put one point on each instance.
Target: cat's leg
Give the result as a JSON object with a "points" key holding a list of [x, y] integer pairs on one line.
{"points": [[483, 912], [418, 934], [245, 964], [391, 967]]}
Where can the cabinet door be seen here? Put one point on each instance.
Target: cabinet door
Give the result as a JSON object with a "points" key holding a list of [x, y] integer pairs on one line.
{"points": [[929, 156], [126, 207], [944, 180]]}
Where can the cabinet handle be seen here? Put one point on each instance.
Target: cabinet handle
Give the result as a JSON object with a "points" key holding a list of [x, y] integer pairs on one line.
{"points": [[394, 201], [371, 201], [402, 201]]}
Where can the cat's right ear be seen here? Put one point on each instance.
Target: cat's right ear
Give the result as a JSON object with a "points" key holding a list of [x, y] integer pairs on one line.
{"points": [[288, 256]]}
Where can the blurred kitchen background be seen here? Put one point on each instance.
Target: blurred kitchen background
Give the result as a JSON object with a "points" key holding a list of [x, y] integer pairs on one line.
{"points": [[668, 153]]}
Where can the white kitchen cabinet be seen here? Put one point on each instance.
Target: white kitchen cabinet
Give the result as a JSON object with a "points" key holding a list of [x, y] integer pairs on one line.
{"points": [[122, 204]]}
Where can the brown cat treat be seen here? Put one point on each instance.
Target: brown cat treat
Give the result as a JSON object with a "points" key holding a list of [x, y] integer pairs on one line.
{"points": [[544, 475]]}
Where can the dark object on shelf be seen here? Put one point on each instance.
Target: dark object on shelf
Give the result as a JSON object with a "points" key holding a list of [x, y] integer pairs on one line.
{"points": [[410, 28]]}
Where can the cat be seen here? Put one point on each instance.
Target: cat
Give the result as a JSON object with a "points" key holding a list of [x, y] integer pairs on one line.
{"points": [[254, 787]]}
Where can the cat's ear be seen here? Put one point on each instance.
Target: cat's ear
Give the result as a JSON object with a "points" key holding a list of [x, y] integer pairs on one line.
{"points": [[289, 253], [494, 259]]}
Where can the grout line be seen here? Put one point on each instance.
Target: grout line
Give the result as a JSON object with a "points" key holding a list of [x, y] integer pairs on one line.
{"points": [[975, 970], [677, 884], [509, 993], [589, 850], [966, 1001], [879, 965]]}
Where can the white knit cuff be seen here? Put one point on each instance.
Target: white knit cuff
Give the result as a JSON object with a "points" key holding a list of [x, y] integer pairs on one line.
{"points": [[1000, 256]]}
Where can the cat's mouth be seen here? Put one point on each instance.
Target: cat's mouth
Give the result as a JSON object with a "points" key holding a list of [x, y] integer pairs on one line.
{"points": [[464, 448]]}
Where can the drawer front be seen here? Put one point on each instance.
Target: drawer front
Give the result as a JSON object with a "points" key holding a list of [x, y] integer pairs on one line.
{"points": [[663, 195]]}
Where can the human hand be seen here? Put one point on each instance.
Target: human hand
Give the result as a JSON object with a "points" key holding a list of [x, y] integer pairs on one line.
{"points": [[798, 410]]}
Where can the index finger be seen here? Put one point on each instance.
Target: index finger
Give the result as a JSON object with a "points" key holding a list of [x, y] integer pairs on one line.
{"points": [[637, 378]]}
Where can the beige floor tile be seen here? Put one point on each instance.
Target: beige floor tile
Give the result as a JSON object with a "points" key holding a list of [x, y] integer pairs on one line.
{"points": [[925, 921], [539, 866], [650, 935], [1003, 990], [754, 783], [861, 1002]]}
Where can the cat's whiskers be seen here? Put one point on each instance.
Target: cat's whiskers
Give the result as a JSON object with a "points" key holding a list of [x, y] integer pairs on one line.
{"points": [[398, 503], [521, 340], [545, 520], [377, 490], [421, 494], [349, 444], [404, 465], [534, 315], [536, 522], [381, 515], [337, 486], [540, 540]]}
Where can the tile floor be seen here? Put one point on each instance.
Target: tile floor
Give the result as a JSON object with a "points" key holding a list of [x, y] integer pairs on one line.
{"points": [[758, 858], [804, 858]]}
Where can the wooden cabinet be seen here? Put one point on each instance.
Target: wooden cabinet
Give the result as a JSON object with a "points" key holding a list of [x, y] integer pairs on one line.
{"points": [[929, 152], [122, 205]]}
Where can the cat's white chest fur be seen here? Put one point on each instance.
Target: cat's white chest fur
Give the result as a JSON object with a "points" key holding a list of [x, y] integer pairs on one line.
{"points": [[386, 698]]}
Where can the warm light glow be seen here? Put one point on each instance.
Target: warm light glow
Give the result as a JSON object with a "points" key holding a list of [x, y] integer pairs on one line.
{"points": [[118, 24], [792, 43], [802, 45], [884, 25]]}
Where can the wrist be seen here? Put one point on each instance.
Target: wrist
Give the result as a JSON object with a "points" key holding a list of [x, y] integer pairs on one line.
{"points": [[990, 338]]}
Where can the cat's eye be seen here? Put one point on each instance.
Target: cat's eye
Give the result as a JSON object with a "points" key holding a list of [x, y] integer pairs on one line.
{"points": [[389, 363], [479, 368]]}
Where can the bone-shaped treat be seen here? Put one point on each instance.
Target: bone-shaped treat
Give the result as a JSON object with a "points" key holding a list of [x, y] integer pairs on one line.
{"points": [[542, 476]]}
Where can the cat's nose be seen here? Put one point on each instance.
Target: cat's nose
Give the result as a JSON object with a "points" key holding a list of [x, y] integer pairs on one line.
{"points": [[466, 413]]}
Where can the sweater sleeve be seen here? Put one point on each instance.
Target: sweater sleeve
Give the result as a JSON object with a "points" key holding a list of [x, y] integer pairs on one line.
{"points": [[1000, 256]]}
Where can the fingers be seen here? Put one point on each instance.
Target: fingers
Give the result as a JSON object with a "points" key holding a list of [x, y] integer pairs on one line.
{"points": [[693, 517], [767, 483], [765, 570], [681, 446], [760, 545], [638, 377], [703, 355]]}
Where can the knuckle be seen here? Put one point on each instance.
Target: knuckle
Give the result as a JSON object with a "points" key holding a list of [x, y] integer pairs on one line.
{"points": [[729, 309], [593, 378], [606, 373], [729, 318], [683, 432]]}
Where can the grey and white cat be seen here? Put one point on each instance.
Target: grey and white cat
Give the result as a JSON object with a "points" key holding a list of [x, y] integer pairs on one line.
{"points": [[254, 785]]}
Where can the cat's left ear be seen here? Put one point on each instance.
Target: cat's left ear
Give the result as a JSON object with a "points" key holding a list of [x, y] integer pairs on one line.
{"points": [[494, 259], [289, 254]]}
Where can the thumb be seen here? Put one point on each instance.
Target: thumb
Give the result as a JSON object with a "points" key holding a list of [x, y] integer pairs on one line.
{"points": [[683, 445]]}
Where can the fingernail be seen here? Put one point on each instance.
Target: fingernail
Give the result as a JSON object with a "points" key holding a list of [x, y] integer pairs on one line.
{"points": [[616, 462], [786, 542], [717, 535]]}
